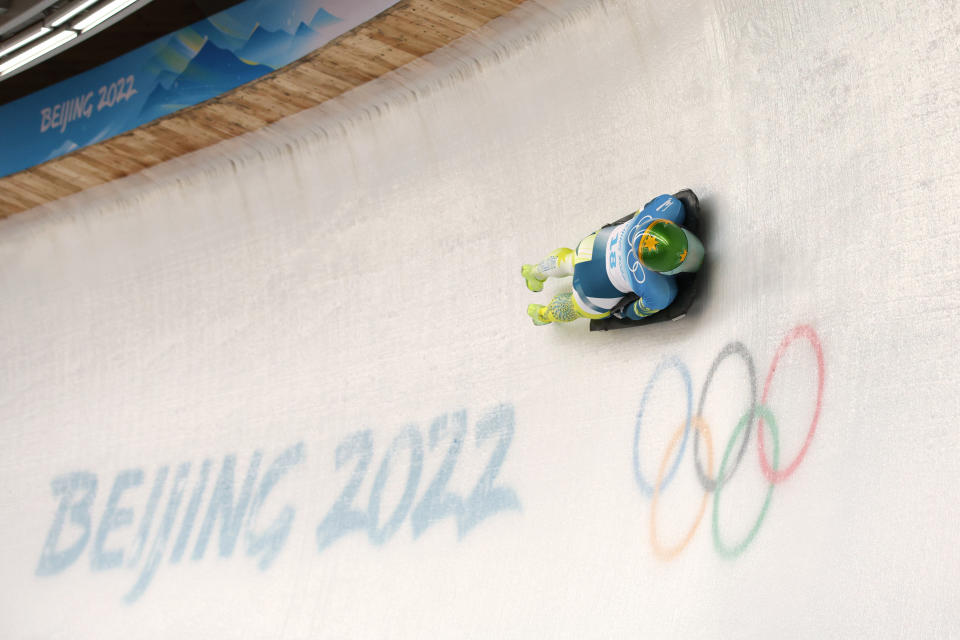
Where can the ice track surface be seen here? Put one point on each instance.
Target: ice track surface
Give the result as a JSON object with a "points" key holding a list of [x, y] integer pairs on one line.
{"points": [[286, 388]]}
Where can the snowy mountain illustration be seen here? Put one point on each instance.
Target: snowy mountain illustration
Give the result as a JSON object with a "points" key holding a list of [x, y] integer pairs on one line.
{"points": [[66, 147], [166, 79], [172, 54], [277, 48], [272, 15], [266, 47], [321, 19], [211, 72], [223, 39], [215, 66], [212, 57]]}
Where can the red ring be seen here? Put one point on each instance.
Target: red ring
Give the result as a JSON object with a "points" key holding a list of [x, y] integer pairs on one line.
{"points": [[805, 331]]}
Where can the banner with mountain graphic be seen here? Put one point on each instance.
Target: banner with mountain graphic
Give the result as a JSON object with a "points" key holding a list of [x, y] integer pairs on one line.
{"points": [[187, 67]]}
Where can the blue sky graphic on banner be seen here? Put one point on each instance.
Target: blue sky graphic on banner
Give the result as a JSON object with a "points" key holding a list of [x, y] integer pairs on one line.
{"points": [[185, 68]]}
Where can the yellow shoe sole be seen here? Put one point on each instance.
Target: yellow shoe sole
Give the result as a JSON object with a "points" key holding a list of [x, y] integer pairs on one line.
{"points": [[534, 283]]}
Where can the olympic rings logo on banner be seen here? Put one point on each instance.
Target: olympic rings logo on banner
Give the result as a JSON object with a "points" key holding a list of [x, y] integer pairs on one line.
{"points": [[732, 455]]}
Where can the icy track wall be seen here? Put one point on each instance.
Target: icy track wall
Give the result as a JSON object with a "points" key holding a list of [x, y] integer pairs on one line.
{"points": [[286, 387]]}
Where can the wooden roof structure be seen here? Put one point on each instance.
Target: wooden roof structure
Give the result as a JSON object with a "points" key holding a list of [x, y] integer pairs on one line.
{"points": [[404, 32]]}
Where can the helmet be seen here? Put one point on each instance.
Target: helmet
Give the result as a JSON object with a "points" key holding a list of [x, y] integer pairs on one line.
{"points": [[668, 248]]}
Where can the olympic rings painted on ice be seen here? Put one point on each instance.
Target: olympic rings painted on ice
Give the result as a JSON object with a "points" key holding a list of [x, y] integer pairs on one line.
{"points": [[674, 363], [765, 420], [738, 348], [807, 332], [667, 554], [718, 544]]}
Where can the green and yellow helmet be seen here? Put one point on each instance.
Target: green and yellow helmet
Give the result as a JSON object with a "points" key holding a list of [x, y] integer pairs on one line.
{"points": [[663, 246]]}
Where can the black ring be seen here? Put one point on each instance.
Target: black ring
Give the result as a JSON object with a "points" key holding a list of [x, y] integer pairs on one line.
{"points": [[709, 484]]}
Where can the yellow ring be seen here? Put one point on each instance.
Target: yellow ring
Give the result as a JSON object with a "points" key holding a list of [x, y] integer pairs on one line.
{"points": [[669, 553]]}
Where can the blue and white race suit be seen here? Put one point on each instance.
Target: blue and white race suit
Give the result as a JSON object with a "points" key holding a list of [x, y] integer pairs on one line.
{"points": [[608, 267]]}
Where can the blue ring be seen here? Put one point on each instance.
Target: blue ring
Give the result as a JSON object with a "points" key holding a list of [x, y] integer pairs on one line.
{"points": [[675, 363]]}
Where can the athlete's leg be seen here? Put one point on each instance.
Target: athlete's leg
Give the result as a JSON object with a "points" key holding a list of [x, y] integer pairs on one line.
{"points": [[563, 307], [560, 309], [557, 265]]}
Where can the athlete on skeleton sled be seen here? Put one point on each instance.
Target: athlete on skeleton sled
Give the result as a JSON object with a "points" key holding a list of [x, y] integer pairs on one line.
{"points": [[637, 270]]}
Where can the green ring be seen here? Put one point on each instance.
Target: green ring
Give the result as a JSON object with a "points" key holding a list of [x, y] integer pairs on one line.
{"points": [[769, 421]]}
